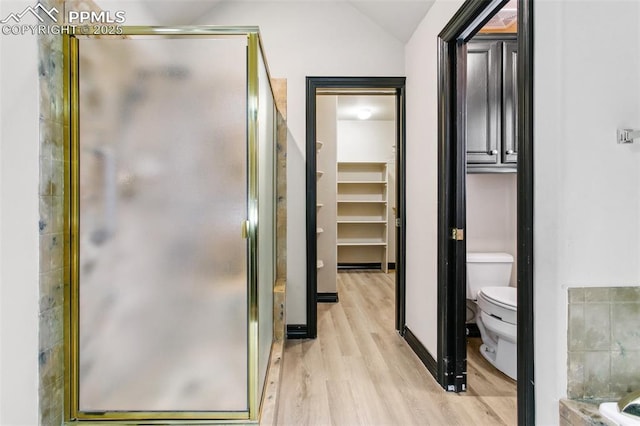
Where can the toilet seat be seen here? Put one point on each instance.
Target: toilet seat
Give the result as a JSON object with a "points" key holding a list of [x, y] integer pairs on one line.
{"points": [[501, 328], [506, 297], [499, 302]]}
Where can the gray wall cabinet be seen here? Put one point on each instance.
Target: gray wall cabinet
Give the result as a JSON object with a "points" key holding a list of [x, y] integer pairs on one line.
{"points": [[491, 119]]}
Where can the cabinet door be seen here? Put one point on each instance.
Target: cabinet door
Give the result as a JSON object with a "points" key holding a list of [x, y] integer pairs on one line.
{"points": [[483, 102], [510, 102]]}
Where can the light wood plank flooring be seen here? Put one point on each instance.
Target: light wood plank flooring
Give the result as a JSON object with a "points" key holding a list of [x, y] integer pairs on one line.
{"points": [[359, 371]]}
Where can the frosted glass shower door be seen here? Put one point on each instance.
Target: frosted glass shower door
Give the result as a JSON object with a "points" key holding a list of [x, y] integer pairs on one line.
{"points": [[162, 198], [266, 218]]}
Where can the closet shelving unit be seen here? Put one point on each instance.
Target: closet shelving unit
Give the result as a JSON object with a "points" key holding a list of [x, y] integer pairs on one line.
{"points": [[361, 198], [320, 262]]}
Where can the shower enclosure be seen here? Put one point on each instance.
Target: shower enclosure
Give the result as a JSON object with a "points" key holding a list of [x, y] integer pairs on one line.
{"points": [[171, 218]]}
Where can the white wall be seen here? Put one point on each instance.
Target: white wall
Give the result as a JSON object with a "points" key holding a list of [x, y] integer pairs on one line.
{"points": [[422, 173], [18, 225], [491, 214], [366, 140], [586, 186]]}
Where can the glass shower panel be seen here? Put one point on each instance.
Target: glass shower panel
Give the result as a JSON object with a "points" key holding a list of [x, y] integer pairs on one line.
{"points": [[163, 193], [266, 218]]}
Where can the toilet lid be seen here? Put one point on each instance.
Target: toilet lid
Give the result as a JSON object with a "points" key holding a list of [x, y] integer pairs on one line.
{"points": [[492, 257], [506, 297]]}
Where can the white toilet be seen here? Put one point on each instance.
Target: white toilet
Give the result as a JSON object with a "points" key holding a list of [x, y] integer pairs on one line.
{"points": [[488, 276]]}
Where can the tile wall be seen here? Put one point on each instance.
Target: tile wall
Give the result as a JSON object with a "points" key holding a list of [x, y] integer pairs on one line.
{"points": [[603, 342], [279, 86], [51, 227], [51, 191]]}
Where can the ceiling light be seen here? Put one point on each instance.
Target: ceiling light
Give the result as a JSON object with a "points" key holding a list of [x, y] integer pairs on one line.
{"points": [[364, 113]]}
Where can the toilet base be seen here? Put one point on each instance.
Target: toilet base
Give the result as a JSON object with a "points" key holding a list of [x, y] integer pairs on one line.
{"points": [[503, 357]]}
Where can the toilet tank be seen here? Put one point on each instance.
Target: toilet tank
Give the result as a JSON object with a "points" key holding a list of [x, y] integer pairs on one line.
{"points": [[487, 270]]}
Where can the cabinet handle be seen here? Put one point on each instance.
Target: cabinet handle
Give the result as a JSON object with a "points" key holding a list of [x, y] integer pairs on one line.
{"points": [[510, 151], [493, 152]]}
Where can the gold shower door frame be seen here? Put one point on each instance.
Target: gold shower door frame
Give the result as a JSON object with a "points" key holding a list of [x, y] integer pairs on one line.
{"points": [[72, 223]]}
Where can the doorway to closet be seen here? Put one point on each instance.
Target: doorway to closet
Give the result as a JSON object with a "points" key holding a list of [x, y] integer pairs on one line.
{"points": [[355, 191]]}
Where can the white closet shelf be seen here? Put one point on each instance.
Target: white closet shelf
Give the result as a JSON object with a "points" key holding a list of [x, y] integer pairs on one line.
{"points": [[361, 198], [344, 243], [363, 163], [363, 201], [363, 221], [360, 182]]}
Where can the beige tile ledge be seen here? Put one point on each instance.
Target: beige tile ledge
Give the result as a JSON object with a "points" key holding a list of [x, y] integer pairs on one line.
{"points": [[280, 285], [581, 413]]}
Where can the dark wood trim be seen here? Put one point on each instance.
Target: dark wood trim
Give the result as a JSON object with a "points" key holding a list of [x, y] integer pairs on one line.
{"points": [[312, 248], [422, 352], [445, 177], [452, 344], [401, 209], [297, 331], [469, 19], [353, 266], [452, 353], [328, 298], [525, 368], [312, 84], [459, 247], [495, 36], [451, 89]]}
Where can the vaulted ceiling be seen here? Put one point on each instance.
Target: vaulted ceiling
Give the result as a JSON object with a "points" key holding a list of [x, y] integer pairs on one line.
{"points": [[399, 18]]}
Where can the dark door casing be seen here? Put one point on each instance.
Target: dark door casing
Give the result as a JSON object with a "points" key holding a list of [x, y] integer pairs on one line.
{"points": [[310, 329], [451, 151]]}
